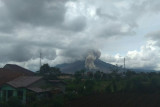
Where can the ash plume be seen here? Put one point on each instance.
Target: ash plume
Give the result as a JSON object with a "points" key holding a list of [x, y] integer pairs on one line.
{"points": [[92, 56]]}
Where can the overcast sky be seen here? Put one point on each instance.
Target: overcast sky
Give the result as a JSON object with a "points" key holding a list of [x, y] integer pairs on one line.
{"points": [[64, 31]]}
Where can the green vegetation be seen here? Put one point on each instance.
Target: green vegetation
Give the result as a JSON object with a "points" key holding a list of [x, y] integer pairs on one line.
{"points": [[114, 82], [85, 84], [12, 102], [49, 72]]}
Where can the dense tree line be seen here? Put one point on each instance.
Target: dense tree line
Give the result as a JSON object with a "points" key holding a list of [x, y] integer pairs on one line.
{"points": [[115, 82]]}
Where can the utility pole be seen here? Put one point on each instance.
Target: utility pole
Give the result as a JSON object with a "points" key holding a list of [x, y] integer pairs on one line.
{"points": [[124, 64], [40, 57]]}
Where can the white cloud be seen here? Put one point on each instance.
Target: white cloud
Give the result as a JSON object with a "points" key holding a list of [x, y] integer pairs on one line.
{"points": [[146, 58]]}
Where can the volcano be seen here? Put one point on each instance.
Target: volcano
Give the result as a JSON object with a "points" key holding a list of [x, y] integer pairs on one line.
{"points": [[100, 65], [79, 65]]}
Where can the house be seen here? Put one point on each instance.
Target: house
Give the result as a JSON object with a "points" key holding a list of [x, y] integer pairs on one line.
{"points": [[19, 82], [22, 86], [10, 72]]}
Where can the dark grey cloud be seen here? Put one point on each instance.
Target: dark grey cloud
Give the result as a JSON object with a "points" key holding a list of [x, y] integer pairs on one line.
{"points": [[155, 36], [153, 5], [20, 41], [105, 15], [36, 12], [75, 54], [6, 24], [15, 53], [77, 24], [20, 50], [77, 51], [21, 53], [114, 30], [49, 54]]}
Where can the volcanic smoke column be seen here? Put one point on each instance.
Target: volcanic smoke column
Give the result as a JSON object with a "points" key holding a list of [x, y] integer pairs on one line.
{"points": [[92, 56]]}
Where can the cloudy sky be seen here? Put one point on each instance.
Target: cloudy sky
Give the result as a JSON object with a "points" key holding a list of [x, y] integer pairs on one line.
{"points": [[64, 31]]}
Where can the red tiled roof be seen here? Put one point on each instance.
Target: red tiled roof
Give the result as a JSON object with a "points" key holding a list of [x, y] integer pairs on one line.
{"points": [[24, 81]]}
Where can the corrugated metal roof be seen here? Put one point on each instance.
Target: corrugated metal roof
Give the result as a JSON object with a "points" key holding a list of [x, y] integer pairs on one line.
{"points": [[24, 81], [8, 75], [18, 68]]}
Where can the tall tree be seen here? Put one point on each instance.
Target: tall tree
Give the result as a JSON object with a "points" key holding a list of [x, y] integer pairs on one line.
{"points": [[45, 69]]}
